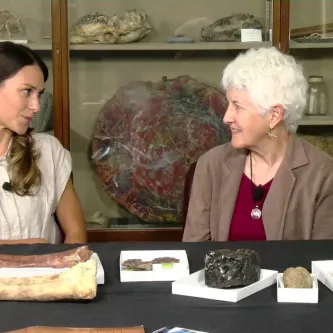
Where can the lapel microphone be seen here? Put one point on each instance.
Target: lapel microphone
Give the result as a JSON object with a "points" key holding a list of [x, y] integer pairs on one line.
{"points": [[7, 186], [258, 193]]}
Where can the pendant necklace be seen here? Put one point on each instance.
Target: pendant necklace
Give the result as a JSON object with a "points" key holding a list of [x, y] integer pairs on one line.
{"points": [[257, 193]]}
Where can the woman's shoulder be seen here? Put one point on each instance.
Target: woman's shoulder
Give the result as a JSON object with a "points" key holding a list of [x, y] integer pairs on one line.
{"points": [[217, 152], [217, 155], [46, 141], [51, 150], [55, 162]]}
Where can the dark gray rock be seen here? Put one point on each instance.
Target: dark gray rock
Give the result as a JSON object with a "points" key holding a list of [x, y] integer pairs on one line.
{"points": [[227, 268], [228, 29]]}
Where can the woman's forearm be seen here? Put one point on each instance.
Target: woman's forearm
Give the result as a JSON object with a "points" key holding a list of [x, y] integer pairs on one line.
{"points": [[23, 241], [78, 238]]}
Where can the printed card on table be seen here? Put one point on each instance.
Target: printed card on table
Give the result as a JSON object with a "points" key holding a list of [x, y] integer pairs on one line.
{"points": [[176, 330]]}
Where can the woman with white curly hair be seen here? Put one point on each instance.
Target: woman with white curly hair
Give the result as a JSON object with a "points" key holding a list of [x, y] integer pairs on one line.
{"points": [[267, 183]]}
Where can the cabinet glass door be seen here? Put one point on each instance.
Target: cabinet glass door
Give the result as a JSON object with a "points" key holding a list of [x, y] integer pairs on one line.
{"points": [[145, 99], [311, 42]]}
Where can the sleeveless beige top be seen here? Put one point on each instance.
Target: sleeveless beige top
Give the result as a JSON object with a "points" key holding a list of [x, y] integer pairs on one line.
{"points": [[32, 216]]}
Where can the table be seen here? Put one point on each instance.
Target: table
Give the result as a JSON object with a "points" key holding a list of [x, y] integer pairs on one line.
{"points": [[153, 305]]}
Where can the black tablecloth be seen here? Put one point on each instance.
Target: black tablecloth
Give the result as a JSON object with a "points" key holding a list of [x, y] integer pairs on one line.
{"points": [[153, 305]]}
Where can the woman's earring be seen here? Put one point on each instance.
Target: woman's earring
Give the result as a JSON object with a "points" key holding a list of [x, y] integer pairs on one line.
{"points": [[270, 134]]}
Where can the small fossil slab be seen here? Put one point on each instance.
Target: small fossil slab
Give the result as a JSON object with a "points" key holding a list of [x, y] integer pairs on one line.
{"points": [[140, 265]]}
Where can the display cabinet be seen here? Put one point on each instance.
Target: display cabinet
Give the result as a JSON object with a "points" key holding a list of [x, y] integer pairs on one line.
{"points": [[136, 97], [307, 34], [143, 102]]}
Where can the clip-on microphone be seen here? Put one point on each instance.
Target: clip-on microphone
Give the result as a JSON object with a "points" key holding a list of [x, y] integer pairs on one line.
{"points": [[258, 193], [7, 186]]}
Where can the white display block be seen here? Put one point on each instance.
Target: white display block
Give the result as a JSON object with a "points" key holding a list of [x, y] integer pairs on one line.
{"points": [[39, 271], [324, 272], [297, 295], [194, 286], [160, 272], [100, 275]]}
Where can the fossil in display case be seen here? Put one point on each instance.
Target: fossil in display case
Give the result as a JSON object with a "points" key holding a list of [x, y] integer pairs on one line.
{"points": [[10, 25], [313, 34], [147, 136], [100, 28], [192, 28], [228, 29]]}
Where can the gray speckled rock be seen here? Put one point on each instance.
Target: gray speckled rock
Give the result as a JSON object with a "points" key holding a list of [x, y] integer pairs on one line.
{"points": [[228, 268], [228, 29]]}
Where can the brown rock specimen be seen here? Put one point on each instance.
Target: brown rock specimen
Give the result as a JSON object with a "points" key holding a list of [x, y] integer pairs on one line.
{"points": [[297, 277]]}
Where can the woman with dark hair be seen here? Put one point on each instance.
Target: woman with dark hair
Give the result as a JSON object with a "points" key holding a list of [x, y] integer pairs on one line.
{"points": [[35, 169]]}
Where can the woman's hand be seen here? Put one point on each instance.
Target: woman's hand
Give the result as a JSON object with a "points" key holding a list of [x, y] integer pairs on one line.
{"points": [[35, 241]]}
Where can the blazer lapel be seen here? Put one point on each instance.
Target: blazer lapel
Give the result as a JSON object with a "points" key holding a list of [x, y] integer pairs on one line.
{"points": [[232, 170], [276, 203]]}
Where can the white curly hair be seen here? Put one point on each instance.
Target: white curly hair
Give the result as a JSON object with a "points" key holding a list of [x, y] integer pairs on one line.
{"points": [[271, 78]]}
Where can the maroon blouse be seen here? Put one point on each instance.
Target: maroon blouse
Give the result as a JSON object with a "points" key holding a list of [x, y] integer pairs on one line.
{"points": [[243, 227]]}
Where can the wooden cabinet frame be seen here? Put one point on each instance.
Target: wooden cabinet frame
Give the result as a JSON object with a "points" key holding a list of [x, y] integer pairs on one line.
{"points": [[60, 57]]}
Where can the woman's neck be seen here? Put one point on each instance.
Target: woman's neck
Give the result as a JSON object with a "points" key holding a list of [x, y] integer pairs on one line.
{"points": [[271, 151]]}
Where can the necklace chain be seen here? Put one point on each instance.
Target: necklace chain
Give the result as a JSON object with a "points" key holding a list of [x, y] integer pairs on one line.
{"points": [[252, 185], [255, 212]]}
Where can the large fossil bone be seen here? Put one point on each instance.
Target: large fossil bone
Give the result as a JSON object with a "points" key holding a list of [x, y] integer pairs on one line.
{"points": [[78, 283]]}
